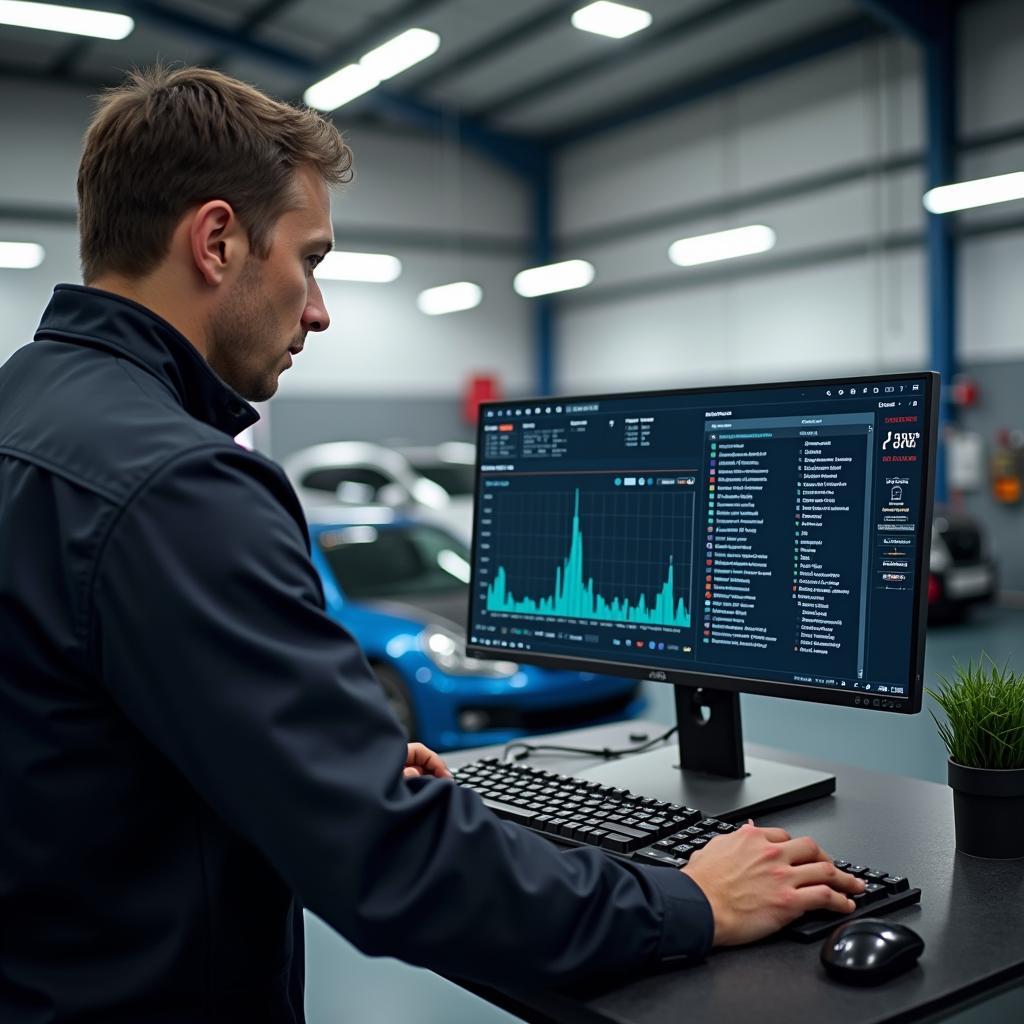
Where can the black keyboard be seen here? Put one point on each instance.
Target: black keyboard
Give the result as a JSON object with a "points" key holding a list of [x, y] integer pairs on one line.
{"points": [[578, 812]]}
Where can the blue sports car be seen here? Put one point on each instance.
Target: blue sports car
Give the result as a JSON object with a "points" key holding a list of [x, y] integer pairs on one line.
{"points": [[399, 586]]}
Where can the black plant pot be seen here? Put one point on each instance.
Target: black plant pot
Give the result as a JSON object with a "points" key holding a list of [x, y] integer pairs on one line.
{"points": [[988, 808]]}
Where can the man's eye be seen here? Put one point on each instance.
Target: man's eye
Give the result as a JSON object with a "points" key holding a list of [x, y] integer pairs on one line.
{"points": [[314, 262]]}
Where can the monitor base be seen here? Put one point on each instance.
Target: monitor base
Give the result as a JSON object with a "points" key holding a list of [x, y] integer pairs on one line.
{"points": [[767, 786]]}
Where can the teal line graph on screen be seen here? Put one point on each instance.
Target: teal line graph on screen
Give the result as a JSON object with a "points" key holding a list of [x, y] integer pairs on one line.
{"points": [[575, 597]]}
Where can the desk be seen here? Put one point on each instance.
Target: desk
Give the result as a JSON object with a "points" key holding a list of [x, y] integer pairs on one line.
{"points": [[971, 916]]}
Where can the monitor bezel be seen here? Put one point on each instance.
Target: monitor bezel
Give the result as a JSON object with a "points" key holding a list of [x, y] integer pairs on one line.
{"points": [[740, 684]]}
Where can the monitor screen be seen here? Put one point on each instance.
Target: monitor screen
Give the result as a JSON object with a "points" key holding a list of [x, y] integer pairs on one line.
{"points": [[767, 539]]}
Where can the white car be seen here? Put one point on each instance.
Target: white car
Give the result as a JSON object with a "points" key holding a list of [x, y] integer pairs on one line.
{"points": [[452, 465], [362, 473]]}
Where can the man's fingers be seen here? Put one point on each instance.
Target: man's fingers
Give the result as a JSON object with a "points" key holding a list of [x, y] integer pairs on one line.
{"points": [[427, 761], [410, 772], [804, 851], [825, 872], [775, 835], [822, 897]]}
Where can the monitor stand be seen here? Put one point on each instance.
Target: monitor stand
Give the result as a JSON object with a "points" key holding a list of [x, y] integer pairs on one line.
{"points": [[707, 768]]}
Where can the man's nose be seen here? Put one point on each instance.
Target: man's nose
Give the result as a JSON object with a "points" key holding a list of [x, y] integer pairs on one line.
{"points": [[315, 316]]}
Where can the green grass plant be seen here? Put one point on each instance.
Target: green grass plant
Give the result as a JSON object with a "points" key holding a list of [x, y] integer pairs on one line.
{"points": [[984, 707]]}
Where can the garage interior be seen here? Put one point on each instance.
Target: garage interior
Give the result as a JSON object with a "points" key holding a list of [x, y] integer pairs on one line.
{"points": [[523, 141]]}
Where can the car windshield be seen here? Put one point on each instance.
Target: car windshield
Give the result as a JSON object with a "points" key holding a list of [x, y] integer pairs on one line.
{"points": [[395, 561], [457, 478]]}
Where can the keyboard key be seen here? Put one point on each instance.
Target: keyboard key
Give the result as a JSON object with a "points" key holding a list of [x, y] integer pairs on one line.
{"points": [[510, 812], [616, 843], [874, 892], [895, 883], [658, 857], [632, 833]]}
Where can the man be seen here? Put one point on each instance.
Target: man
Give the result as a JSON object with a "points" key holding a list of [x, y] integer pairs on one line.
{"points": [[192, 749]]}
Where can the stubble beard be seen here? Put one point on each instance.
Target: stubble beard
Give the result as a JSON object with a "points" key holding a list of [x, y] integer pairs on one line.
{"points": [[241, 339]]}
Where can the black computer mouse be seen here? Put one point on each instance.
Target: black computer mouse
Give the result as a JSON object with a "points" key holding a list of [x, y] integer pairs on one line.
{"points": [[868, 950]]}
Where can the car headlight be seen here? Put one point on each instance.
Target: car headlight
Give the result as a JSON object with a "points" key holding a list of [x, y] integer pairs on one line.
{"points": [[447, 651]]}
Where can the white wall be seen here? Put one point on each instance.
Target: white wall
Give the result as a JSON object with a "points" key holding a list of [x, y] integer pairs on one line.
{"points": [[863, 310], [378, 340]]}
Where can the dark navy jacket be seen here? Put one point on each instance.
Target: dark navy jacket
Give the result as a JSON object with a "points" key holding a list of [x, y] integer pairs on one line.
{"points": [[190, 749]]}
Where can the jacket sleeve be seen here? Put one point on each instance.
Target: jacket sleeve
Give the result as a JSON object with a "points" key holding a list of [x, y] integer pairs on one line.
{"points": [[208, 629]]}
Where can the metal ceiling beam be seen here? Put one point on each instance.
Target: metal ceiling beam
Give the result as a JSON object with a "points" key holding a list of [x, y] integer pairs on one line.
{"points": [[254, 20], [689, 90], [68, 57], [933, 27], [224, 39], [632, 48], [262, 14], [544, 323], [242, 41], [494, 44], [517, 154], [904, 17]]}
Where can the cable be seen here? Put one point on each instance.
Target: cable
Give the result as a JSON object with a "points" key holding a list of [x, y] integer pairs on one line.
{"points": [[607, 752]]}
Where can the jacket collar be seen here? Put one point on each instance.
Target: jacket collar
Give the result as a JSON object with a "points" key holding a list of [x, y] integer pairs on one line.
{"points": [[99, 319]]}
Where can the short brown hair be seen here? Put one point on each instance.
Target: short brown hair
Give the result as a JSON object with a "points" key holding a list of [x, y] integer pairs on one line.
{"points": [[168, 139]]}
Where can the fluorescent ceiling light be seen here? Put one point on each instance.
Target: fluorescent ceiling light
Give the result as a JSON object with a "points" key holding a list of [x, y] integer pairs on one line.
{"points": [[400, 53], [454, 564], [74, 20], [980, 192], [373, 267], [449, 298], [21, 255], [610, 19], [721, 245], [344, 85], [553, 277], [384, 62]]}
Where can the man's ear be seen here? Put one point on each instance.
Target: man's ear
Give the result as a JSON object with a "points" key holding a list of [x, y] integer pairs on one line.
{"points": [[217, 240]]}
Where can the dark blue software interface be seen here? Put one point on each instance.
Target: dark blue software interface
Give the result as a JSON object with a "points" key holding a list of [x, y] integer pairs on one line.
{"points": [[771, 533]]}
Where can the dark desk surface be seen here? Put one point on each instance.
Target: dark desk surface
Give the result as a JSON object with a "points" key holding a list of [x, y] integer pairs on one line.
{"points": [[971, 917]]}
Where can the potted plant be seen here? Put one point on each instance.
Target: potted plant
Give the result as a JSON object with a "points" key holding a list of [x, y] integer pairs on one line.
{"points": [[984, 734]]}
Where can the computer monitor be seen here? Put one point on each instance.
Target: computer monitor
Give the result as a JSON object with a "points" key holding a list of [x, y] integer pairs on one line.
{"points": [[769, 539]]}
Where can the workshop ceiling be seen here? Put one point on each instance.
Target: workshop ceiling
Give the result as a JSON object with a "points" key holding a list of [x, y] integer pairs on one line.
{"points": [[513, 67]]}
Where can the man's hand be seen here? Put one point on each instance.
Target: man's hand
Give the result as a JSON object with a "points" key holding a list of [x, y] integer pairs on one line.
{"points": [[421, 760], [758, 879]]}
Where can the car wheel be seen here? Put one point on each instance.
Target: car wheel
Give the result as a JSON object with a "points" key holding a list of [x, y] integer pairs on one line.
{"points": [[398, 697]]}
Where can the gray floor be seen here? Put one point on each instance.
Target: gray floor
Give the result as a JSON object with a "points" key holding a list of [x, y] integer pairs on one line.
{"points": [[344, 986]]}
